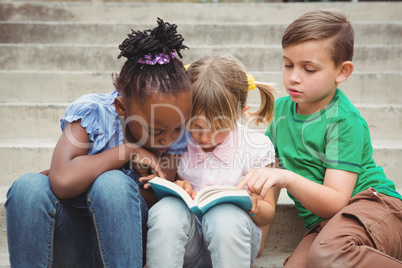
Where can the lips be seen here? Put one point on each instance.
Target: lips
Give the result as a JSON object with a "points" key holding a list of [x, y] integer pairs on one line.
{"points": [[159, 151], [293, 92], [205, 144], [162, 150]]}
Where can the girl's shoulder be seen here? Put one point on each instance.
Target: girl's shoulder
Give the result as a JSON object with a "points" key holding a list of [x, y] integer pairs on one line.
{"points": [[256, 147], [96, 113], [92, 103], [99, 99], [253, 138]]}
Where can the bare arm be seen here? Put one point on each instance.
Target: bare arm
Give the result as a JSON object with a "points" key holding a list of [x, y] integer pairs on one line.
{"points": [[72, 171], [264, 211], [322, 200], [169, 164]]}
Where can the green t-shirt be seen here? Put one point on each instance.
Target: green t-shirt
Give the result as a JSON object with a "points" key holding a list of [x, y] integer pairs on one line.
{"points": [[336, 137]]}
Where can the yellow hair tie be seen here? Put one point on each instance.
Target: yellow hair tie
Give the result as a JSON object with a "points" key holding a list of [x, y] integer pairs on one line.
{"points": [[251, 83], [186, 66]]}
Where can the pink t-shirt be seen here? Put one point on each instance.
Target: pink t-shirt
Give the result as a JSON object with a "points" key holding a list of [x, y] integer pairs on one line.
{"points": [[243, 149]]}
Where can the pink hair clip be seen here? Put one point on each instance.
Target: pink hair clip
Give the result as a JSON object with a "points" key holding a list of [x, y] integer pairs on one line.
{"points": [[159, 58]]}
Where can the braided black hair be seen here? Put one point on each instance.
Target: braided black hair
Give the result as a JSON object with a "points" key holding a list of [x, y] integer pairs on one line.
{"points": [[141, 80]]}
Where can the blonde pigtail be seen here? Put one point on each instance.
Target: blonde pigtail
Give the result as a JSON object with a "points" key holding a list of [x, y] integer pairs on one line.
{"points": [[266, 111]]}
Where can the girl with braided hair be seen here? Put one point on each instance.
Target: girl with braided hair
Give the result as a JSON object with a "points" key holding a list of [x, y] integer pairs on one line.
{"points": [[90, 209]]}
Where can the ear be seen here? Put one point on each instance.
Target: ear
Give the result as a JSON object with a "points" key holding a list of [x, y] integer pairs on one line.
{"points": [[345, 71], [245, 108], [119, 106]]}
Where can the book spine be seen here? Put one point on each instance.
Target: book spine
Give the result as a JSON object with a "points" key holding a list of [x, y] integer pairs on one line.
{"points": [[197, 212]]}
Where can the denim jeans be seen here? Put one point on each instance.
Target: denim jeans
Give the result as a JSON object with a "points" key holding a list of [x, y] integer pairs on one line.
{"points": [[43, 231], [227, 237]]}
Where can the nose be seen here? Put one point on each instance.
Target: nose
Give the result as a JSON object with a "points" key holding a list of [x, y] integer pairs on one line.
{"points": [[205, 137], [294, 77], [168, 139]]}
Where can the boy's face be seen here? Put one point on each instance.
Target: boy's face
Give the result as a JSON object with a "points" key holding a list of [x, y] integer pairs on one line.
{"points": [[310, 75]]}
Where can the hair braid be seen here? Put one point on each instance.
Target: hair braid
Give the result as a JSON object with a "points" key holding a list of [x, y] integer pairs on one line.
{"points": [[141, 80], [162, 39]]}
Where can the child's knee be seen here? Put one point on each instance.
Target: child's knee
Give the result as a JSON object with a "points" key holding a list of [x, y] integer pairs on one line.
{"points": [[29, 195], [31, 188], [332, 253], [225, 221], [114, 185], [169, 210], [224, 213], [170, 215]]}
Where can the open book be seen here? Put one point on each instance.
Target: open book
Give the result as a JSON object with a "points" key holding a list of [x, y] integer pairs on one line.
{"points": [[205, 198]]}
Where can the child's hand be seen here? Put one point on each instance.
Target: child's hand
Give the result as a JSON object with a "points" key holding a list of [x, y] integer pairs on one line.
{"points": [[145, 179], [254, 209], [146, 164], [260, 180], [187, 187]]}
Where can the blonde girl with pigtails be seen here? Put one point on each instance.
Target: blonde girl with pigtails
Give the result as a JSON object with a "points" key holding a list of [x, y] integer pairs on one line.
{"points": [[220, 152]]}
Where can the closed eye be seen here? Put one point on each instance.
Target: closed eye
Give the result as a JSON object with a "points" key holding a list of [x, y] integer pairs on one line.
{"points": [[310, 71], [154, 132]]}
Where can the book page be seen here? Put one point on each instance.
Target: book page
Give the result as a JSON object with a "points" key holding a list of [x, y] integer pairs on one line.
{"points": [[172, 188], [237, 198], [213, 190]]}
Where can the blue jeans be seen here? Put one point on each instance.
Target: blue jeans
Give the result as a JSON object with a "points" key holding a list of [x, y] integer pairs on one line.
{"points": [[43, 231], [227, 237]]}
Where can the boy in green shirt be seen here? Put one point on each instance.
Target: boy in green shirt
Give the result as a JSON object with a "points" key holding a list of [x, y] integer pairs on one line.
{"points": [[323, 144]]}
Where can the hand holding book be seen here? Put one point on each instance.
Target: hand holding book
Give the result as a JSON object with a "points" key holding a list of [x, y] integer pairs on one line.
{"points": [[204, 199], [186, 185]]}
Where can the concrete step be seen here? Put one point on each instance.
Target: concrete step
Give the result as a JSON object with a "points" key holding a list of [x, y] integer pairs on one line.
{"points": [[18, 157], [189, 12], [43, 120], [238, 33], [23, 156], [67, 86], [53, 52], [104, 58]]}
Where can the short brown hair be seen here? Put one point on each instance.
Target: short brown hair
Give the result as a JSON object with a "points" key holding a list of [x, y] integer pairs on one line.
{"points": [[320, 25]]}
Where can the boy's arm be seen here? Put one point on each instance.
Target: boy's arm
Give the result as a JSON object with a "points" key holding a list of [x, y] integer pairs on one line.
{"points": [[326, 200], [322, 200], [332, 179]]}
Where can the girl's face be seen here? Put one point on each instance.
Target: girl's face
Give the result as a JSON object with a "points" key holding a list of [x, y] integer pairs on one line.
{"points": [[158, 121], [201, 131], [310, 75]]}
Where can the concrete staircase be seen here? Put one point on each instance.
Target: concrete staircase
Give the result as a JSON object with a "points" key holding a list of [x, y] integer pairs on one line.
{"points": [[53, 52]]}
